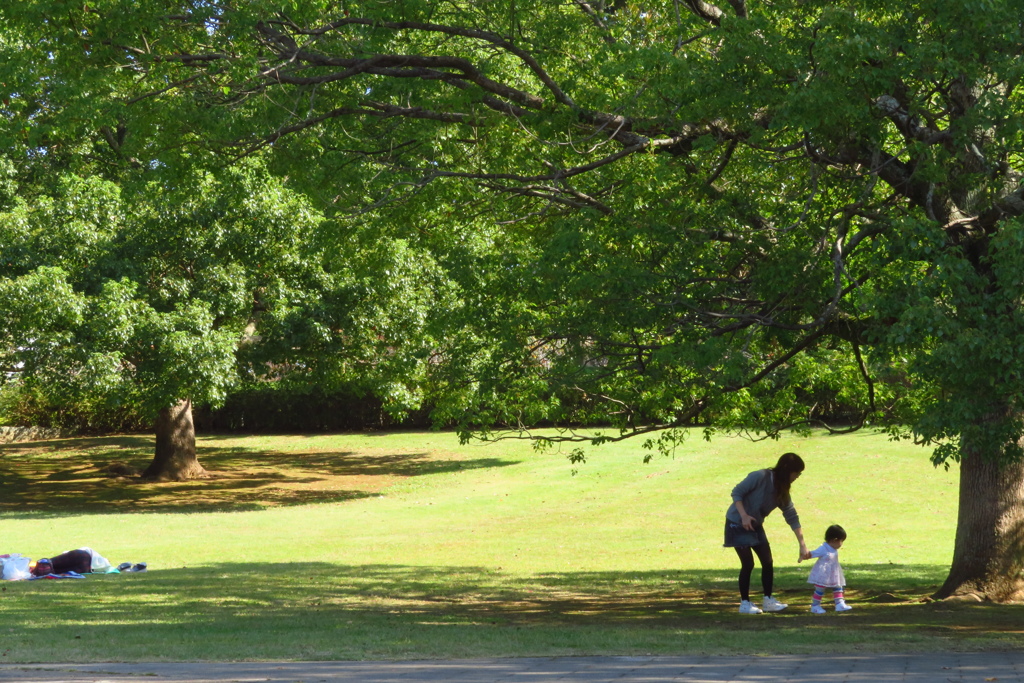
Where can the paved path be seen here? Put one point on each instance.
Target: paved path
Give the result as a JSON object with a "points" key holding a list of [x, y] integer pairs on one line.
{"points": [[1001, 667]]}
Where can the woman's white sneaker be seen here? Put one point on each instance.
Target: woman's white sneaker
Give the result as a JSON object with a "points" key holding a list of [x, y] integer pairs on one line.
{"points": [[841, 606], [773, 605], [747, 607]]}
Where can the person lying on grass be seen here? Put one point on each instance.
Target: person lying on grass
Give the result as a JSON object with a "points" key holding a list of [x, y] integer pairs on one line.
{"points": [[79, 561]]}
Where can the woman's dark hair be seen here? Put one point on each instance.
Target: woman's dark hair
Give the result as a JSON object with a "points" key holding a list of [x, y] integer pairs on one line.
{"points": [[788, 464], [835, 533]]}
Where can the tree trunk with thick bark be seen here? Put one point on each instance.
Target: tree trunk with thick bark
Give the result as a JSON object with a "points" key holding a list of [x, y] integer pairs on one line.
{"points": [[175, 455], [988, 555]]}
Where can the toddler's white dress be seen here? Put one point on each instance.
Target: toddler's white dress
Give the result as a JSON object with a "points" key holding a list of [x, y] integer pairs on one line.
{"points": [[826, 571]]}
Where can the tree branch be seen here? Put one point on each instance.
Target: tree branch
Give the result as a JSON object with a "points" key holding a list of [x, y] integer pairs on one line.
{"points": [[476, 34], [1010, 205], [908, 125], [553, 194], [378, 109], [723, 162], [557, 175], [589, 11], [706, 11], [397, 66], [740, 6]]}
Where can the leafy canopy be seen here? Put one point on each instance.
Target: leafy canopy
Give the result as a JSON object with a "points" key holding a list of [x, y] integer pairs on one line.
{"points": [[652, 214]]}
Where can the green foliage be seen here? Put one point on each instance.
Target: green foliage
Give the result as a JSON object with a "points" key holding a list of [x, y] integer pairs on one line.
{"points": [[648, 215], [35, 406], [140, 293]]}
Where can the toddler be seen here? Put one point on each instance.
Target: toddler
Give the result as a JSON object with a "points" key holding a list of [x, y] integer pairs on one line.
{"points": [[826, 572]]}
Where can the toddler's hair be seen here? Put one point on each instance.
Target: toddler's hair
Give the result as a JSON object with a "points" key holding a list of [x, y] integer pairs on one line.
{"points": [[835, 533]]}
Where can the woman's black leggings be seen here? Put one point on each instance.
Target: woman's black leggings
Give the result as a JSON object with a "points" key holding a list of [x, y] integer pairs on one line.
{"points": [[764, 555]]}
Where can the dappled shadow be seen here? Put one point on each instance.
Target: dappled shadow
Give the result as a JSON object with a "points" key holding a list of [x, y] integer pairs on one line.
{"points": [[78, 443], [414, 603], [100, 475], [341, 463]]}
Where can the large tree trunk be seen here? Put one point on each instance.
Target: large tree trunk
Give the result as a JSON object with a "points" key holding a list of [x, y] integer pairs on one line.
{"points": [[989, 552], [175, 455]]}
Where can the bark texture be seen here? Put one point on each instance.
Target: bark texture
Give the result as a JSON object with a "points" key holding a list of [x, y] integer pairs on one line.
{"points": [[988, 556], [175, 455]]}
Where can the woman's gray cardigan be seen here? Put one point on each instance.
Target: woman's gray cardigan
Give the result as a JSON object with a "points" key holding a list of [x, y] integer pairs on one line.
{"points": [[757, 492]]}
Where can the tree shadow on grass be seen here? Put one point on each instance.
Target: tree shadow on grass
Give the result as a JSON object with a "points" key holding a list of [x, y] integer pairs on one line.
{"points": [[100, 475], [310, 610]]}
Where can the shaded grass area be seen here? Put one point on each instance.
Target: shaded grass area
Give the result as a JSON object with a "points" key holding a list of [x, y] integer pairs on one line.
{"points": [[91, 475], [326, 611]]}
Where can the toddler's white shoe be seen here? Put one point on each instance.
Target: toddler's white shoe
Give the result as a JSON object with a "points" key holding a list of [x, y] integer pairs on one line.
{"points": [[747, 607], [817, 609], [841, 606], [773, 605]]}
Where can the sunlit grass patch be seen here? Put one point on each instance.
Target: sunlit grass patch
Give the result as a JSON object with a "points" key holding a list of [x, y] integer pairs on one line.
{"points": [[407, 545]]}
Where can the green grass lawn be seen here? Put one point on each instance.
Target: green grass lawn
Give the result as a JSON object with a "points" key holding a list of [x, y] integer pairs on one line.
{"points": [[407, 545]]}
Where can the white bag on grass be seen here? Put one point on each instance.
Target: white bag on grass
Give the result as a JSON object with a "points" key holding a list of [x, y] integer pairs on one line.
{"points": [[15, 568]]}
